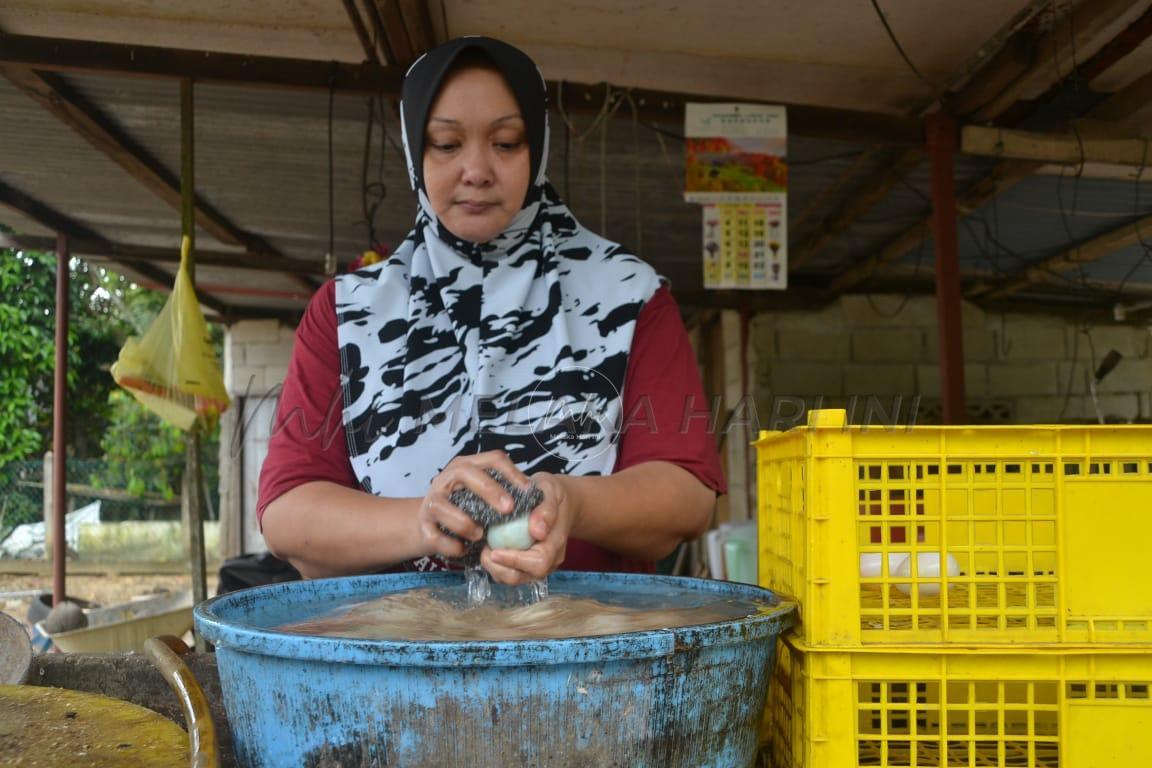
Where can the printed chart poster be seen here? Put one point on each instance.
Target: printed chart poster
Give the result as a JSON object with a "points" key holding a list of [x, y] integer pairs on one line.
{"points": [[735, 165]]}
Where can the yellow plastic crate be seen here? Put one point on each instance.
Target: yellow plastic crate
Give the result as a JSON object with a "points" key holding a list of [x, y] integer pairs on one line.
{"points": [[974, 535], [903, 708]]}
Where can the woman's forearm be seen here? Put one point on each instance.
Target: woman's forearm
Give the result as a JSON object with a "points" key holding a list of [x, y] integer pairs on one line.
{"points": [[644, 511], [326, 529]]}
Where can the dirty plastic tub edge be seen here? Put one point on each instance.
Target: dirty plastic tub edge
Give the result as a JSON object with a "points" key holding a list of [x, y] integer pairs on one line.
{"points": [[689, 696]]}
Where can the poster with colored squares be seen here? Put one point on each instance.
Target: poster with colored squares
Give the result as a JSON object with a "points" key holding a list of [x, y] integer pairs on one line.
{"points": [[736, 168]]}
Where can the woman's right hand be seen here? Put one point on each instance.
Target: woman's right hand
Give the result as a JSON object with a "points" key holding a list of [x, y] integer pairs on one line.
{"points": [[437, 511]]}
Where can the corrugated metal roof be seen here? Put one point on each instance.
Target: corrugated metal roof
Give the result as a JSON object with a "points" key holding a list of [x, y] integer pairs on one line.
{"points": [[262, 155]]}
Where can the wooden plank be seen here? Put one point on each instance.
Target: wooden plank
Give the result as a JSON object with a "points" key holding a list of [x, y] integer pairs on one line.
{"points": [[379, 37], [418, 21], [857, 205], [1090, 17], [129, 254], [67, 105], [1120, 106], [1088, 251], [62, 55], [1066, 149], [1057, 46], [803, 120], [396, 32], [13, 567], [362, 35], [57, 54], [50, 218]]}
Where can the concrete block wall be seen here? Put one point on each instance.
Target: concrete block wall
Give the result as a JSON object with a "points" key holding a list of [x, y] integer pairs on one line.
{"points": [[256, 356], [887, 346]]}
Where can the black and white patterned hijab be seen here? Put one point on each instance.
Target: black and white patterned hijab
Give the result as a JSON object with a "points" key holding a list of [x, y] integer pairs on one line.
{"points": [[450, 347]]}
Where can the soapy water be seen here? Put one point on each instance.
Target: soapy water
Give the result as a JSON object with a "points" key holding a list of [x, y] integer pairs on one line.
{"points": [[510, 613]]}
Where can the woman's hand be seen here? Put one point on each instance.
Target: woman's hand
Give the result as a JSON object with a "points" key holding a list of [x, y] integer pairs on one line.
{"points": [[550, 524], [436, 511]]}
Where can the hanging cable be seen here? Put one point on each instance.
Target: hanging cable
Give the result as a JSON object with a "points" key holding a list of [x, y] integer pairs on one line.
{"points": [[936, 90], [330, 257]]}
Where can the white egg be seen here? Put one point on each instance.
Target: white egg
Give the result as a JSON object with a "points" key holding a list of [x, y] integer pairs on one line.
{"points": [[870, 563], [927, 568], [512, 535]]}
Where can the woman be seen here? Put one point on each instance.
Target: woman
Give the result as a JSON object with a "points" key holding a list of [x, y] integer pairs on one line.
{"points": [[501, 335]]}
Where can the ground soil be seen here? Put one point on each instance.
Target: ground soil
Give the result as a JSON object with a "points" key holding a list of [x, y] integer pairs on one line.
{"points": [[103, 589]]}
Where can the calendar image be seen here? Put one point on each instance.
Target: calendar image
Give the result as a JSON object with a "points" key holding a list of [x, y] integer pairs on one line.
{"points": [[744, 245]]}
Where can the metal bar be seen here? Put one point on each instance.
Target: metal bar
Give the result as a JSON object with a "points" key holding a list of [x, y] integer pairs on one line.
{"points": [[59, 424], [941, 153], [165, 652], [192, 506]]}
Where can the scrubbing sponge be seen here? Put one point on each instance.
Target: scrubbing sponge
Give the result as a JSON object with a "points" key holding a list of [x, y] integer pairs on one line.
{"points": [[510, 530]]}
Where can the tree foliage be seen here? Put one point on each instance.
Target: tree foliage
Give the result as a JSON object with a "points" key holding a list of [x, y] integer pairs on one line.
{"points": [[103, 310], [140, 453]]}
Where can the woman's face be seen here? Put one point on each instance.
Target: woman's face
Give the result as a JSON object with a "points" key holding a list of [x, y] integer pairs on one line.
{"points": [[476, 156]]}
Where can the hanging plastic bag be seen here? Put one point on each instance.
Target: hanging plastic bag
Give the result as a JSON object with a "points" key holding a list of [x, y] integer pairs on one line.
{"points": [[172, 368]]}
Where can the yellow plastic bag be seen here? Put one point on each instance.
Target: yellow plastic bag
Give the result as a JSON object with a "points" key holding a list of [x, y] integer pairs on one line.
{"points": [[172, 368]]}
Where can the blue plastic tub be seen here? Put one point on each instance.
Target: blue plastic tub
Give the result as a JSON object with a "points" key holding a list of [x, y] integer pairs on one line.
{"points": [[690, 696]]}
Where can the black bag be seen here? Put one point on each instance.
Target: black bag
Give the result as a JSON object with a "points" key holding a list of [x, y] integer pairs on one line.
{"points": [[253, 571]]}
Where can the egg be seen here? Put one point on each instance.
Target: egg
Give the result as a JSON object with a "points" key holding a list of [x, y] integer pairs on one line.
{"points": [[511, 535], [870, 563], [927, 569]]}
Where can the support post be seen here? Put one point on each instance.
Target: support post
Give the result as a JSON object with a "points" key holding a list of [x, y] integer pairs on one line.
{"points": [[192, 506], [941, 129], [58, 540]]}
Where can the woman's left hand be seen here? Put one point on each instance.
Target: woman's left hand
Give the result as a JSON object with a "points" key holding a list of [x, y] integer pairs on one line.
{"points": [[550, 524]]}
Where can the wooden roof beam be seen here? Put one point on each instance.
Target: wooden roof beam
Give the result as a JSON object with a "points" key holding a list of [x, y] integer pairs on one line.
{"points": [[50, 218], [1004, 175], [1091, 250], [57, 54], [64, 55], [418, 22], [371, 54], [67, 105], [1057, 47], [396, 32], [1064, 149], [132, 254], [1090, 16]]}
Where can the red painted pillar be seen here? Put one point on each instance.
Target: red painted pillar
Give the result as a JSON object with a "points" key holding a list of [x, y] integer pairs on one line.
{"points": [[59, 438], [941, 150]]}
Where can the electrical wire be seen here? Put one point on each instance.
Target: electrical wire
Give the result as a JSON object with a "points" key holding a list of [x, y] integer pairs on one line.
{"points": [[936, 90], [330, 258], [1146, 247]]}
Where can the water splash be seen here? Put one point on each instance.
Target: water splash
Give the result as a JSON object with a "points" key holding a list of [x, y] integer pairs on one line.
{"points": [[479, 588]]}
